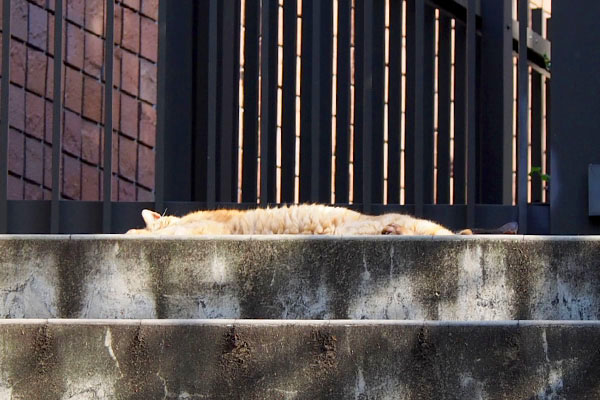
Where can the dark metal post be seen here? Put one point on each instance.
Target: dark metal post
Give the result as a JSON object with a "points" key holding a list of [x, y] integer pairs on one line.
{"points": [[5, 106], [57, 118], [417, 97], [470, 112], [159, 150], [315, 93], [394, 103], [212, 105], [367, 102], [523, 115], [536, 116], [288, 111], [108, 87], [265, 109], [342, 151], [497, 103], [576, 117]]}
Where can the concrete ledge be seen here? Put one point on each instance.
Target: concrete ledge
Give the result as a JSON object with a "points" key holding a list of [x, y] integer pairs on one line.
{"points": [[61, 359], [301, 277]]}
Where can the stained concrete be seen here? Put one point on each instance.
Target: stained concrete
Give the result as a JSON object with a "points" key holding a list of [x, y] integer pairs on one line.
{"points": [[300, 277], [227, 359]]}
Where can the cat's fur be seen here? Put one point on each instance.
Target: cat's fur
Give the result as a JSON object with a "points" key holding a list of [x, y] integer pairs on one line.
{"points": [[296, 219]]}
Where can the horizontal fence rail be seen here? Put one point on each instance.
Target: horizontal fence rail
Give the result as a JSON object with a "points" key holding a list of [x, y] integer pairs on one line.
{"points": [[374, 105]]}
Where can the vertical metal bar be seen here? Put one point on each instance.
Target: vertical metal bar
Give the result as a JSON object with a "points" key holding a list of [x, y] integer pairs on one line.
{"points": [[227, 129], [57, 118], [315, 104], [394, 102], [410, 133], [443, 143], [376, 132], [460, 103], [342, 142], [265, 99], [271, 64], [495, 149], [4, 111], [211, 144], [323, 132], [250, 123], [523, 120], [288, 111], [159, 151], [108, 88], [470, 116], [418, 96], [428, 106], [367, 104], [536, 117], [548, 112], [357, 150]]}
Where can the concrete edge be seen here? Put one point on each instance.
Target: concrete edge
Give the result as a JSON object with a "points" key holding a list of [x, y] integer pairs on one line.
{"points": [[384, 238], [284, 322]]}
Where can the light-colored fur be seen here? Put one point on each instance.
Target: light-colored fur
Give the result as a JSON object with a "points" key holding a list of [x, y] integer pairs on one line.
{"points": [[296, 219]]}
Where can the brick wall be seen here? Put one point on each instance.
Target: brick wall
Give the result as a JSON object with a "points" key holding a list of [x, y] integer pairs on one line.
{"points": [[134, 99]]}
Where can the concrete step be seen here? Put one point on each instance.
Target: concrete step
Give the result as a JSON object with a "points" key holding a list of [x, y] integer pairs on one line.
{"points": [[242, 359], [300, 277]]}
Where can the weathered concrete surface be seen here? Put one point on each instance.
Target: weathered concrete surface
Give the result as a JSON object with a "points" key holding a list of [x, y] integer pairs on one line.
{"points": [[169, 359], [295, 277]]}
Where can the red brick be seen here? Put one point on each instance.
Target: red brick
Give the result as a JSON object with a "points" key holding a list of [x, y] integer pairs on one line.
{"points": [[51, 35], [48, 166], [149, 38], [118, 23], [18, 20], [71, 178], [129, 115], [17, 107], [131, 30], [74, 46], [150, 8], [90, 142], [94, 16], [144, 195], [48, 128], [15, 188], [36, 71], [34, 115], [50, 78], [131, 73], [126, 191], [90, 183], [146, 166], [148, 81], [116, 110], [73, 89], [71, 140], [148, 124], [33, 192], [17, 62], [34, 160], [75, 11], [94, 54], [38, 26], [16, 149], [127, 158], [117, 67], [135, 4], [92, 99]]}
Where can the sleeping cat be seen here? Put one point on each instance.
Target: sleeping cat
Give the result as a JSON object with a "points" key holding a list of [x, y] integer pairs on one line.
{"points": [[295, 219]]}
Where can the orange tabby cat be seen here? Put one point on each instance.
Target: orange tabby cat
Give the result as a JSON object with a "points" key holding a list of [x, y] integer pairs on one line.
{"points": [[296, 219]]}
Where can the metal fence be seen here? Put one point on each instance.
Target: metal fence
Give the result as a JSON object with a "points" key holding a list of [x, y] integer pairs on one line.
{"points": [[376, 105]]}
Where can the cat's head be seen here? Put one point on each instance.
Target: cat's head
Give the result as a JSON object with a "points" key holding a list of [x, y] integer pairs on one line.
{"points": [[154, 222]]}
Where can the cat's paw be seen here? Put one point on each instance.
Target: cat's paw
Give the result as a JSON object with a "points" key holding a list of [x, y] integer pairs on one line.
{"points": [[395, 229]]}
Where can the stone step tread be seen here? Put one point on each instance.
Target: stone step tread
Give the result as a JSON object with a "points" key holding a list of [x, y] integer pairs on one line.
{"points": [[301, 277], [253, 359]]}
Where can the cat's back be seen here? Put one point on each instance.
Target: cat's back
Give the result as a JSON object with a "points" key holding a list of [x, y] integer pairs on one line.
{"points": [[295, 219]]}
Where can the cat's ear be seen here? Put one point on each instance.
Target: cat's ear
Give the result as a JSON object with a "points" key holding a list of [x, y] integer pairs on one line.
{"points": [[150, 216]]}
